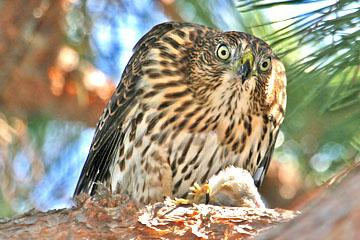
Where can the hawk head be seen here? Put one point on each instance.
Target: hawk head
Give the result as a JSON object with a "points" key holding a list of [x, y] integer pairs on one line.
{"points": [[235, 65]]}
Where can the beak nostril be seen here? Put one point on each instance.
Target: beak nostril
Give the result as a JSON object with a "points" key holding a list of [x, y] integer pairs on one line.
{"points": [[244, 70]]}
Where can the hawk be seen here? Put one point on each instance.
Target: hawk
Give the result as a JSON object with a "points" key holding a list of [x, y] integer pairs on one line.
{"points": [[192, 100]]}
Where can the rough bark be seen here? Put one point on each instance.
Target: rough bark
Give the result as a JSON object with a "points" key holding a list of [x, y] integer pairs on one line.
{"points": [[121, 218], [333, 214]]}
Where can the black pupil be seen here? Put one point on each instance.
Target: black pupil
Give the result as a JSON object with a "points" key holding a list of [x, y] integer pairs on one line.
{"points": [[223, 52], [265, 64]]}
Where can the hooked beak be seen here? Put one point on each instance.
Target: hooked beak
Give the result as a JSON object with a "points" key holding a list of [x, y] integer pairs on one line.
{"points": [[245, 66]]}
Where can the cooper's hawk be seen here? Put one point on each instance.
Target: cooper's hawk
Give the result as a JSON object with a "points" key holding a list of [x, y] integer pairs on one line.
{"points": [[192, 101]]}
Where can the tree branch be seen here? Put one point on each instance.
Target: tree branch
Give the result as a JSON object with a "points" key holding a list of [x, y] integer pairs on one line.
{"points": [[122, 218]]}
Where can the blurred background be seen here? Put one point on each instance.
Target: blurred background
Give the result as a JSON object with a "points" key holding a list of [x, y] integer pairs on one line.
{"points": [[61, 60]]}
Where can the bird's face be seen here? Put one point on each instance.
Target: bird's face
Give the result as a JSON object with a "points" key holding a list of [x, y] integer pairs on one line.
{"points": [[240, 64], [241, 60]]}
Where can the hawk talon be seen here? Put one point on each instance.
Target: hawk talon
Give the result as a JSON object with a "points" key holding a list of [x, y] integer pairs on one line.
{"points": [[199, 193], [181, 201], [207, 198]]}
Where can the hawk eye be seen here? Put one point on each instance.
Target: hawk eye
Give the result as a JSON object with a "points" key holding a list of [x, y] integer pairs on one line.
{"points": [[223, 52], [265, 64]]}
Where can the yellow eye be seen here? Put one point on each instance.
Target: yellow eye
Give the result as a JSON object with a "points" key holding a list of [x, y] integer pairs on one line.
{"points": [[223, 52], [265, 64]]}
